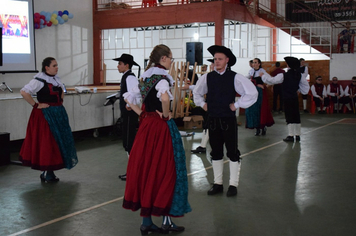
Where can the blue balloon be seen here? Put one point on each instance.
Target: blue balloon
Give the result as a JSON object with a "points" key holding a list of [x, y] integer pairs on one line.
{"points": [[61, 21], [43, 13], [59, 18], [65, 12], [41, 26], [42, 21], [70, 16], [48, 17], [55, 12]]}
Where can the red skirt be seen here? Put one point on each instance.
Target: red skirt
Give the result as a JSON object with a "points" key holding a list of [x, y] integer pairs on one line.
{"points": [[39, 149], [266, 118], [151, 173]]}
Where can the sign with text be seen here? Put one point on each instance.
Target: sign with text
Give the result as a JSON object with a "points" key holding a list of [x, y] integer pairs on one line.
{"points": [[322, 10]]}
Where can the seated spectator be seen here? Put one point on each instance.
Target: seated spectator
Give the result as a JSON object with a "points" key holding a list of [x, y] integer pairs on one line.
{"points": [[350, 94], [320, 97], [346, 37], [336, 93]]}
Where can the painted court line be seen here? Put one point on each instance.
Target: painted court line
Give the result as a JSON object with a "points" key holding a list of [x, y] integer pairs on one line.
{"points": [[120, 198]]}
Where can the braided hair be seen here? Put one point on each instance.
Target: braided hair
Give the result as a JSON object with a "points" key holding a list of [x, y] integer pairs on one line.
{"points": [[156, 54]]}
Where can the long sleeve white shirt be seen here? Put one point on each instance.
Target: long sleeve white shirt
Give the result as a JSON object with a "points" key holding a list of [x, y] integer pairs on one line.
{"points": [[312, 89], [242, 86], [279, 78], [341, 91]]}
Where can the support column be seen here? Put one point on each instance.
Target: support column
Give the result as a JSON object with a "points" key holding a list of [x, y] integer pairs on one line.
{"points": [[219, 28]]}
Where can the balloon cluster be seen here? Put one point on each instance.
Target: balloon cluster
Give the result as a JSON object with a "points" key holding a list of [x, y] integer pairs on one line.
{"points": [[44, 19]]}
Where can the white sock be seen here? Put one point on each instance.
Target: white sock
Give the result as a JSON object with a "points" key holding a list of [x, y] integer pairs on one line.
{"points": [[218, 167], [348, 106], [304, 104], [204, 139], [297, 129], [235, 167], [290, 130]]}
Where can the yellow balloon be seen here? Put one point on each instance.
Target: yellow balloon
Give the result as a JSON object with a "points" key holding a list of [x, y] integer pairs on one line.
{"points": [[55, 22], [65, 17], [54, 15]]}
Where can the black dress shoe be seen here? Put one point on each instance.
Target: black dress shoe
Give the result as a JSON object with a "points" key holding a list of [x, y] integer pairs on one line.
{"points": [[54, 179], [232, 191], [306, 111], [289, 139], [152, 228], [174, 228], [297, 138], [122, 177], [264, 130], [199, 149], [217, 188], [258, 131]]}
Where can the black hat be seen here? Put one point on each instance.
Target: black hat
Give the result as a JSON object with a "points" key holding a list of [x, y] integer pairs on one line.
{"points": [[211, 60], [127, 58], [222, 49], [292, 62]]}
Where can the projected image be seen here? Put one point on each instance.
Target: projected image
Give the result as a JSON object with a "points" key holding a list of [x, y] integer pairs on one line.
{"points": [[15, 27]]}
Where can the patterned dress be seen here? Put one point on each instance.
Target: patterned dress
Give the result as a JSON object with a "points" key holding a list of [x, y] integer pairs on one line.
{"points": [[156, 173]]}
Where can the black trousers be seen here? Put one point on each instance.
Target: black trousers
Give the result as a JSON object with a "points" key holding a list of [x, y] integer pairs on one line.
{"points": [[129, 127], [318, 102], [277, 93], [223, 131], [291, 110]]}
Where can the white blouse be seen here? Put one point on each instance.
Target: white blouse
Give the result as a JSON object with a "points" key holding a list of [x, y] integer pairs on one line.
{"points": [[34, 85]]}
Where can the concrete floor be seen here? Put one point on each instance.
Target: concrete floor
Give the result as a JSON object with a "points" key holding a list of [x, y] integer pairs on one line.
{"points": [[306, 188]]}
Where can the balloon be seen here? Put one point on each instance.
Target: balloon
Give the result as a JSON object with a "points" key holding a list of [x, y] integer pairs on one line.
{"points": [[37, 15], [41, 21], [41, 26], [65, 12], [70, 16], [60, 13], [48, 17], [54, 15], [58, 18], [65, 17], [55, 22], [42, 17], [61, 21], [43, 13], [49, 24], [55, 12]]}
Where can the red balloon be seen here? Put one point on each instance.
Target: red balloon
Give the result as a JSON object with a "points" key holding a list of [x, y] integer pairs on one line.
{"points": [[42, 17], [37, 15], [49, 24]]}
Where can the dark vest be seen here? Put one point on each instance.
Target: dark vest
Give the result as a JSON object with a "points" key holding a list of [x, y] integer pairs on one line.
{"points": [[123, 89], [152, 103], [334, 88], [319, 89], [290, 84], [302, 69], [221, 93], [49, 93]]}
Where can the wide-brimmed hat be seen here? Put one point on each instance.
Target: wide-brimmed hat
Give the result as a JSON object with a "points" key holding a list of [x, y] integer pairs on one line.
{"points": [[127, 58], [211, 60], [292, 62], [222, 49]]}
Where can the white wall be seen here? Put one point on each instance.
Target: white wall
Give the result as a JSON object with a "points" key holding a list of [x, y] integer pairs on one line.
{"points": [[70, 43], [343, 66]]}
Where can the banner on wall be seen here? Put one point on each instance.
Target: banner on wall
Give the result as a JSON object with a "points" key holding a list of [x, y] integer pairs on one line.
{"points": [[320, 10]]}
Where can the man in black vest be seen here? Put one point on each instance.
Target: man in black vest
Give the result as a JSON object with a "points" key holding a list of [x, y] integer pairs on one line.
{"points": [[292, 81], [221, 86], [129, 117]]}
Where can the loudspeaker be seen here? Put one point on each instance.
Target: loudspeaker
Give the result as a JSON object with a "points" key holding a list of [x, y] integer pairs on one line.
{"points": [[4, 148], [194, 53]]}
